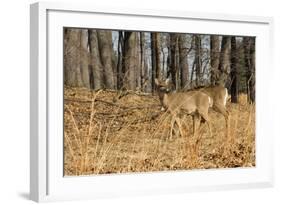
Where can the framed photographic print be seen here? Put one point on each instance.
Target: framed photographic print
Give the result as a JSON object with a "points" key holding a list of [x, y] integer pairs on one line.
{"points": [[128, 102]]}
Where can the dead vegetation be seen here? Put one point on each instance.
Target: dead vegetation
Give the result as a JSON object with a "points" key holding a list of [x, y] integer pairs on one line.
{"points": [[105, 134]]}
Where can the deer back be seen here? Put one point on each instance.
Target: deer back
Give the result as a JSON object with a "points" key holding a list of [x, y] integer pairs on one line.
{"points": [[190, 102], [219, 94]]}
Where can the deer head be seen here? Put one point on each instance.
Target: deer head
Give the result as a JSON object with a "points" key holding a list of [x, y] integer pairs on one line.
{"points": [[163, 87]]}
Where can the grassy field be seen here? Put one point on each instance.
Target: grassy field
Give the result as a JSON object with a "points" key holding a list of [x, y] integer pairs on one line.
{"points": [[104, 133]]}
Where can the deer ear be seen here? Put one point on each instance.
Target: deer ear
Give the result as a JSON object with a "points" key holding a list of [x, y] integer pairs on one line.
{"points": [[167, 81], [156, 81]]}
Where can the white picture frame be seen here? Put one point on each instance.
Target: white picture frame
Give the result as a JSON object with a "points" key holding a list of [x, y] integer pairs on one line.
{"points": [[46, 151]]}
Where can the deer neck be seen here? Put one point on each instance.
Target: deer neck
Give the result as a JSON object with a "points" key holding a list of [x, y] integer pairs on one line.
{"points": [[165, 100]]}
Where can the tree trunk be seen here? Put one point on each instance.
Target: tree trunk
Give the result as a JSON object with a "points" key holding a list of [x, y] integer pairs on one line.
{"points": [[249, 57], [130, 60], [146, 78], [72, 73], [177, 58], [155, 58], [215, 58], [224, 65], [96, 68], [138, 61], [142, 60], [183, 60], [84, 58], [173, 58], [114, 61], [120, 74], [198, 62], [105, 46], [158, 54], [252, 79], [192, 74], [234, 72]]}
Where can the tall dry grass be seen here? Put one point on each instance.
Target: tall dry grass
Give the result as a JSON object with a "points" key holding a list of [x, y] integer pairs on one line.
{"points": [[132, 135]]}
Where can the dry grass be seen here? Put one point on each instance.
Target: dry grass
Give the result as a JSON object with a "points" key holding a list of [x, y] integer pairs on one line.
{"points": [[104, 135]]}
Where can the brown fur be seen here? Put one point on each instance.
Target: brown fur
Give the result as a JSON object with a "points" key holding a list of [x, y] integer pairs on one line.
{"points": [[218, 94], [194, 103]]}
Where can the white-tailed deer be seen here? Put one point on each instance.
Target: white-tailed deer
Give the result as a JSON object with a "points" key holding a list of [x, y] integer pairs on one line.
{"points": [[219, 96], [194, 103]]}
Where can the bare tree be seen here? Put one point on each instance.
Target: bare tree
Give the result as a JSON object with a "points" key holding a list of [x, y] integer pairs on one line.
{"points": [[120, 74], [215, 58], [249, 57], [130, 60], [109, 59], [183, 60], [252, 78], [138, 61], [72, 73], [173, 67], [96, 68], [142, 60], [84, 58], [224, 65], [105, 47], [234, 71], [155, 57], [198, 60]]}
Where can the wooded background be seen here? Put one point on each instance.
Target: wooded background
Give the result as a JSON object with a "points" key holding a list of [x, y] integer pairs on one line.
{"points": [[129, 60]]}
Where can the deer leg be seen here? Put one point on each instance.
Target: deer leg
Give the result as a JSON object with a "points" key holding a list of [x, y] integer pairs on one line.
{"points": [[196, 120], [210, 130], [179, 125], [172, 126], [206, 118], [193, 124], [221, 109]]}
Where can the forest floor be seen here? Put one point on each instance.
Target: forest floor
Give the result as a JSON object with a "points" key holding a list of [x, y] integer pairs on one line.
{"points": [[107, 134]]}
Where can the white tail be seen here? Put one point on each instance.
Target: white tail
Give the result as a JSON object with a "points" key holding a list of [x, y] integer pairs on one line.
{"points": [[194, 103]]}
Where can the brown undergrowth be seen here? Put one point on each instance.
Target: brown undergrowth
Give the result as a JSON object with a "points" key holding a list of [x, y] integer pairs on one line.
{"points": [[106, 134]]}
